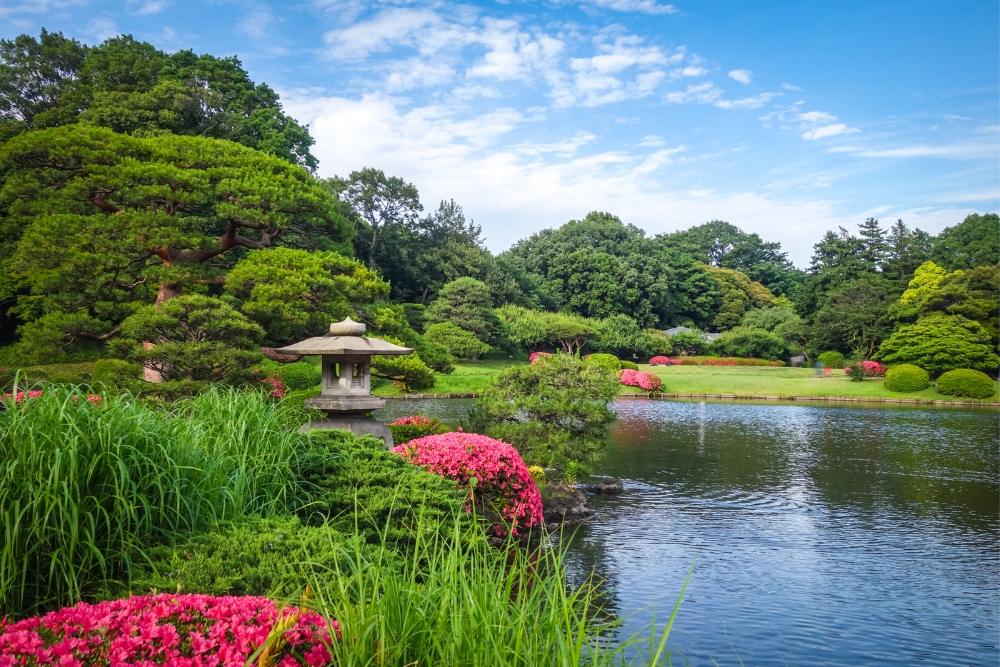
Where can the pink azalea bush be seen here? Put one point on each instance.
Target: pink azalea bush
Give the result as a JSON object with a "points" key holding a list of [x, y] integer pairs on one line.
{"points": [[413, 427], [503, 489], [871, 369], [169, 630], [647, 381], [534, 356], [663, 361], [277, 387]]}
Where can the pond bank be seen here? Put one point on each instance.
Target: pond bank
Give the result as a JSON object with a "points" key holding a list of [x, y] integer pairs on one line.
{"points": [[748, 397]]}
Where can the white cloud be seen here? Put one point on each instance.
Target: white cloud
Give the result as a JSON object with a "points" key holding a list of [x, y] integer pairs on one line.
{"points": [[101, 29], [958, 151], [388, 29], [514, 190], [641, 6], [741, 75], [788, 86], [829, 131], [651, 140], [150, 7], [816, 117], [747, 102], [952, 117], [46, 7]]}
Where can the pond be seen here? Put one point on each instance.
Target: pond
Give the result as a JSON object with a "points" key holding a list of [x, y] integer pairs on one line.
{"points": [[819, 535]]}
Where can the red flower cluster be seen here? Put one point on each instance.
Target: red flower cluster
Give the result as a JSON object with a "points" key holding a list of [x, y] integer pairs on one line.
{"points": [[647, 381], [415, 420], [663, 361], [534, 356], [277, 387], [168, 630], [872, 369], [502, 480]]}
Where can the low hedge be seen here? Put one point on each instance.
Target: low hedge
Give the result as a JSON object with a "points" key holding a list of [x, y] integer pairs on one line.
{"points": [[272, 557], [906, 378], [628, 365], [300, 375], [725, 361], [966, 382]]}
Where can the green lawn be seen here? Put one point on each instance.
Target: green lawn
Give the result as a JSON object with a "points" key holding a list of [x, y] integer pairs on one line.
{"points": [[768, 381], [468, 377]]}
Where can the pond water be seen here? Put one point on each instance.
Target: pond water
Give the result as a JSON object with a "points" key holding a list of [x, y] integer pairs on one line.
{"points": [[819, 535]]}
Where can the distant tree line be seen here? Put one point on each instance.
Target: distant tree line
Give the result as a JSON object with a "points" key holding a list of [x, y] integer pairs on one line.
{"points": [[130, 177]]}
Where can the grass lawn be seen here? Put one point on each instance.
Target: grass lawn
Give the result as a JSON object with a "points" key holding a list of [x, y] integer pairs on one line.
{"points": [[768, 381], [468, 377]]}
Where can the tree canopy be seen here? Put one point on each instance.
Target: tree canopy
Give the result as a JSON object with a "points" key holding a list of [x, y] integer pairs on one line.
{"points": [[132, 87], [973, 242]]}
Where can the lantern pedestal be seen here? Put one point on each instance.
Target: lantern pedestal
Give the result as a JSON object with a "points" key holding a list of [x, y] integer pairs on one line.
{"points": [[345, 395]]}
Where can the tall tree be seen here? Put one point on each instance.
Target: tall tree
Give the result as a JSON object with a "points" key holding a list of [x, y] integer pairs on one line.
{"points": [[101, 221], [853, 317], [973, 242], [907, 250], [382, 205], [874, 248], [721, 244], [132, 87]]}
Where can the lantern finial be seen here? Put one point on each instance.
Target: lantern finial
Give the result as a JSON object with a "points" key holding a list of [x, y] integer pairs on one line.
{"points": [[347, 328]]}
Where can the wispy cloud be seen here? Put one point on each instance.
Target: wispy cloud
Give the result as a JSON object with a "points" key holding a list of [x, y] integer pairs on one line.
{"points": [[101, 29], [709, 93], [741, 75], [651, 140], [754, 102], [959, 151], [788, 86], [829, 131], [640, 6]]}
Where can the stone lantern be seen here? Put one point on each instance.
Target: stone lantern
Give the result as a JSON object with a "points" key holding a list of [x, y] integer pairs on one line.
{"points": [[345, 396]]}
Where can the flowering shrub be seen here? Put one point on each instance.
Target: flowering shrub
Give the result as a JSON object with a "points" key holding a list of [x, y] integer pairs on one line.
{"points": [[869, 369], [169, 630], [409, 428], [276, 385], [663, 361], [493, 472], [534, 356], [647, 381], [725, 361]]}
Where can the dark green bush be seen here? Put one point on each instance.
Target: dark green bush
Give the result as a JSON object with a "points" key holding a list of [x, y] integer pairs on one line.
{"points": [[748, 342], [629, 364], [832, 359], [272, 557], [346, 479], [604, 360], [300, 375], [687, 343], [906, 378], [408, 373], [115, 374], [966, 382]]}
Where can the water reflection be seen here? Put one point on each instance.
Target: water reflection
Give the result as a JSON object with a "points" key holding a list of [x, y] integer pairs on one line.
{"points": [[823, 535]]}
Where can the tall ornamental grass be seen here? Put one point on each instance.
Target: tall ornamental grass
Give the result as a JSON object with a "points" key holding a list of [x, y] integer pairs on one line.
{"points": [[85, 488], [459, 602]]}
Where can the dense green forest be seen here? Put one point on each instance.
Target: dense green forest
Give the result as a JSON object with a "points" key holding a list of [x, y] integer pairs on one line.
{"points": [[162, 208]]}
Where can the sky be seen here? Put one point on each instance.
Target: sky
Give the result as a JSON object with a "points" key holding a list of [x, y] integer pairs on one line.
{"points": [[784, 118]]}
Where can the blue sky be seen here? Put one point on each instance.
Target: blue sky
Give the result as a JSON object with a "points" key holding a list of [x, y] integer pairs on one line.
{"points": [[786, 119]]}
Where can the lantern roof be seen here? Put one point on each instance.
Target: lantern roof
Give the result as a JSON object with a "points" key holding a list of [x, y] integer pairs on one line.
{"points": [[345, 339]]}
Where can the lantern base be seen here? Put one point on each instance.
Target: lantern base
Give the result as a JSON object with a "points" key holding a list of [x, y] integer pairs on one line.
{"points": [[344, 405], [356, 424]]}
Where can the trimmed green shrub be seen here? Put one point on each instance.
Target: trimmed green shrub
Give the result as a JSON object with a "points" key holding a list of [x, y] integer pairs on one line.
{"points": [[459, 342], [629, 364], [832, 359], [604, 360], [966, 382], [65, 377], [255, 556], [748, 342], [408, 373], [906, 378], [345, 479], [687, 343], [300, 375], [115, 374]]}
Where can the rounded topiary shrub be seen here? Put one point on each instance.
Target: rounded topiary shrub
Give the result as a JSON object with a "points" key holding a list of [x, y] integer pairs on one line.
{"points": [[604, 360], [832, 359], [115, 373], [300, 375], [966, 382], [629, 365], [906, 378]]}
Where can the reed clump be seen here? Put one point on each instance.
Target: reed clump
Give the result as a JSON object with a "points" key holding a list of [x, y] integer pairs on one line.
{"points": [[85, 486]]}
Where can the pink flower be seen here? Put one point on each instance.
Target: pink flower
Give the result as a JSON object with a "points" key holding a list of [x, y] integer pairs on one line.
{"points": [[535, 356], [661, 361], [277, 387], [164, 630], [415, 420], [500, 473]]}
